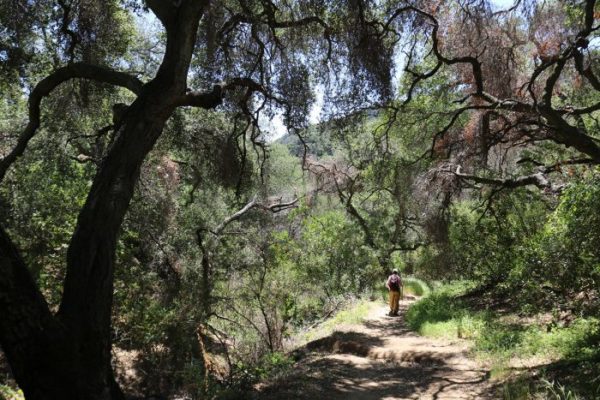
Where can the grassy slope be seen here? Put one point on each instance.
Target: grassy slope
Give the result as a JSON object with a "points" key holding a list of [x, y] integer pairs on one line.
{"points": [[517, 349]]}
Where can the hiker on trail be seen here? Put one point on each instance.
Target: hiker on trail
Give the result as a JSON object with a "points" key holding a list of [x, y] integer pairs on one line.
{"points": [[394, 285]]}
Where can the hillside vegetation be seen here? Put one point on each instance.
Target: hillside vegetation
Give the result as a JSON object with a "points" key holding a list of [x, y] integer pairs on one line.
{"points": [[155, 242]]}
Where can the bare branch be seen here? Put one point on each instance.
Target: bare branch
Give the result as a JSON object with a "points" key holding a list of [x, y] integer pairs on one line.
{"points": [[273, 23], [554, 76], [589, 17], [586, 72], [585, 110], [207, 100], [346, 200], [538, 179], [66, 20], [273, 208]]}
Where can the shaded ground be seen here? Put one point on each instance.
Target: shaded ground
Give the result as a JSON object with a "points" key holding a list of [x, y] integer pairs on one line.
{"points": [[382, 359]]}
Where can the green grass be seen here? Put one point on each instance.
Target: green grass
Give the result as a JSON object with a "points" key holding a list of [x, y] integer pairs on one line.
{"points": [[415, 287], [523, 388], [518, 389], [442, 314], [353, 314]]}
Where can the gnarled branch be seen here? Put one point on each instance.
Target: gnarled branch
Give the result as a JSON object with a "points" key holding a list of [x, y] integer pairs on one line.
{"points": [[48, 84], [537, 179], [211, 99], [254, 203]]}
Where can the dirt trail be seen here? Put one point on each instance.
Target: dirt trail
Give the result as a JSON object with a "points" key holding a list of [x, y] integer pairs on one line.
{"points": [[382, 359]]}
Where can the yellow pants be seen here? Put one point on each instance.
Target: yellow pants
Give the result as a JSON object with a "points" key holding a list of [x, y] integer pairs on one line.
{"points": [[394, 299]]}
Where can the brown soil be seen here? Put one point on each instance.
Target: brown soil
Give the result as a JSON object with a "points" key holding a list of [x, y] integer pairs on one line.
{"points": [[382, 359]]}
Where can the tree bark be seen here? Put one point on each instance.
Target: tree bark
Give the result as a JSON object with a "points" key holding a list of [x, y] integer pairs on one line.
{"points": [[68, 355]]}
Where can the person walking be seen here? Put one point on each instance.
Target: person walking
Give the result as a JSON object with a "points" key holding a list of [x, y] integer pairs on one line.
{"points": [[394, 286]]}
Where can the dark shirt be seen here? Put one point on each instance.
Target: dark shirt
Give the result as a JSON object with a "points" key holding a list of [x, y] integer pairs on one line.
{"points": [[389, 280]]}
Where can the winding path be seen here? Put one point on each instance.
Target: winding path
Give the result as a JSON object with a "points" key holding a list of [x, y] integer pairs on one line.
{"points": [[382, 359]]}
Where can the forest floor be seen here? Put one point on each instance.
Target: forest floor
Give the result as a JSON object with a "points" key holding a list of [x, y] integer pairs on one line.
{"points": [[381, 358]]}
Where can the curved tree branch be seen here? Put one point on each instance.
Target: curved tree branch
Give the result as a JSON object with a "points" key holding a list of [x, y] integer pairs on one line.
{"points": [[435, 48], [48, 84], [537, 179], [163, 9], [66, 20], [273, 208], [272, 22], [211, 99]]}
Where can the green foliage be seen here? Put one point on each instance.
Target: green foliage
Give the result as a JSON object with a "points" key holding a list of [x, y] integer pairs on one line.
{"points": [[40, 209], [443, 314], [486, 248], [318, 143], [438, 315], [284, 171], [541, 260], [273, 365], [351, 268], [416, 287], [354, 312], [517, 389], [565, 255], [556, 391], [8, 393], [523, 388]]}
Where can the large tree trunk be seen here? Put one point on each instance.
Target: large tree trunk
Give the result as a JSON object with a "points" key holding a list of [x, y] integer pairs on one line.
{"points": [[68, 355], [32, 339]]}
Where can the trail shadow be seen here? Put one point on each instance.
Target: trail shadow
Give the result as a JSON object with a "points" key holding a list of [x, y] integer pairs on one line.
{"points": [[356, 343], [339, 379], [390, 326], [368, 346], [423, 358], [380, 359]]}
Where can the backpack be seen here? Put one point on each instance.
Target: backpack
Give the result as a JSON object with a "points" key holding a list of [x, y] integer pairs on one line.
{"points": [[395, 283]]}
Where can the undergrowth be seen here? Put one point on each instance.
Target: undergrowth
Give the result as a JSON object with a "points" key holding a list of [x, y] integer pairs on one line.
{"points": [[415, 287], [8, 393], [444, 314], [354, 313]]}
